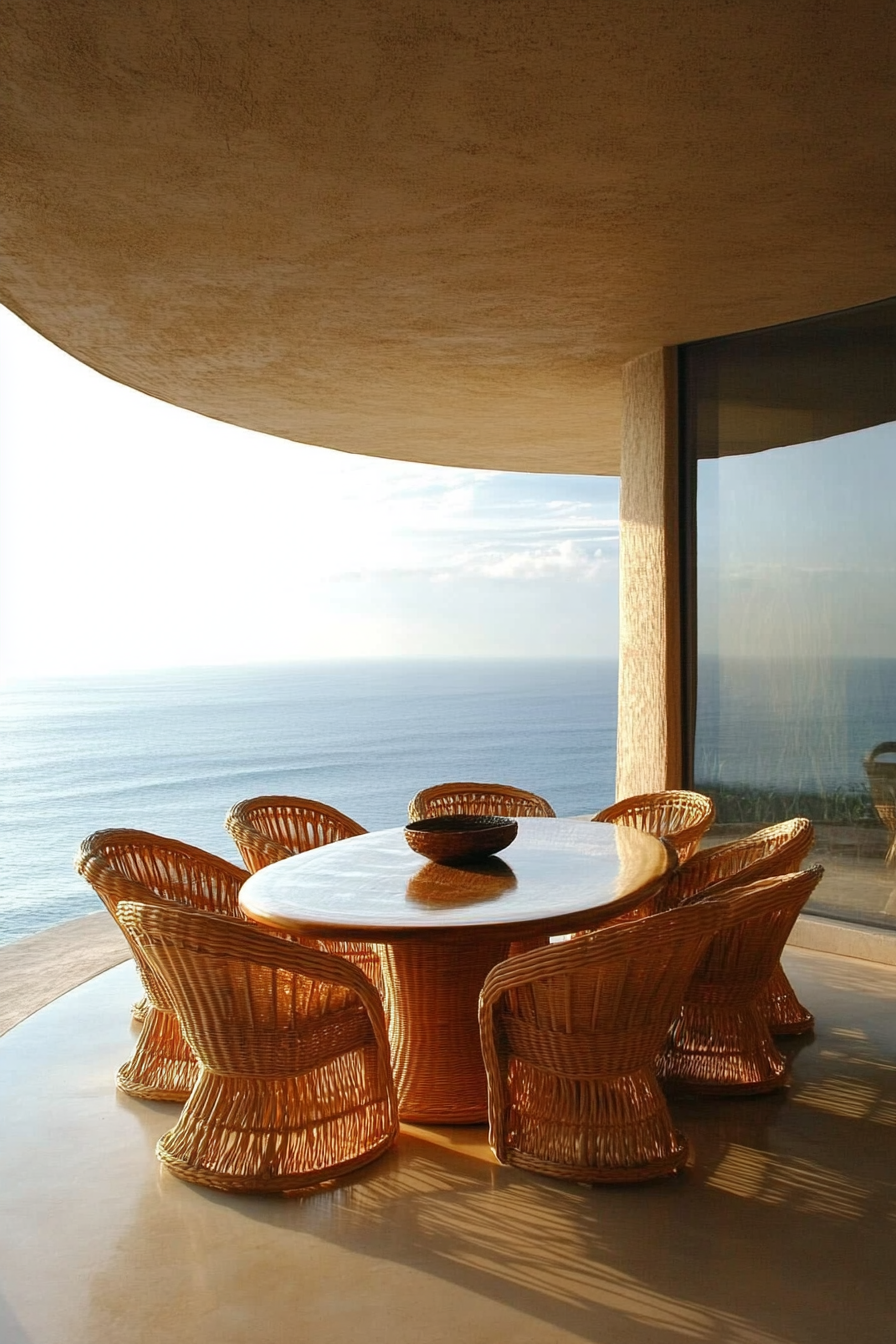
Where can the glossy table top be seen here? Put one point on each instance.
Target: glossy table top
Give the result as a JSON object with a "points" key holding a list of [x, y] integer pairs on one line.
{"points": [[373, 887]]}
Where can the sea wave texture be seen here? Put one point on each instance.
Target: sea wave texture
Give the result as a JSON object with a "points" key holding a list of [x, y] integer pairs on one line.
{"points": [[171, 751]]}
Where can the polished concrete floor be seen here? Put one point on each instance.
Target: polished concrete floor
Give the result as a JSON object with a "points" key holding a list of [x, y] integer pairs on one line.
{"points": [[783, 1231]]}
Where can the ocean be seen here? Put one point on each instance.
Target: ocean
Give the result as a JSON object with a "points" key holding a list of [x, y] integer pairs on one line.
{"points": [[171, 751]]}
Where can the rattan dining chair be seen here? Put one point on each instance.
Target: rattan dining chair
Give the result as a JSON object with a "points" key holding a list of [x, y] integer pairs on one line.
{"points": [[276, 826], [678, 815], [882, 783], [776, 849], [720, 1043], [477, 800], [570, 1036], [128, 865], [295, 1082]]}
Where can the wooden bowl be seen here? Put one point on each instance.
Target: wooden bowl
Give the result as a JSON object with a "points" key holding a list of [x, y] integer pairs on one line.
{"points": [[452, 839]]}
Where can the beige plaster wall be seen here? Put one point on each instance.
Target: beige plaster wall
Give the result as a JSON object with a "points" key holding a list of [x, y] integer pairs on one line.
{"points": [[436, 233], [648, 755]]}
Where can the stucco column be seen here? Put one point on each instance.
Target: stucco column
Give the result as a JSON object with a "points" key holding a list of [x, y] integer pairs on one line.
{"points": [[649, 742]]}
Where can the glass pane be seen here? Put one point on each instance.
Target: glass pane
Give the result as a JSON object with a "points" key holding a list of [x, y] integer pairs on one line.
{"points": [[796, 618]]}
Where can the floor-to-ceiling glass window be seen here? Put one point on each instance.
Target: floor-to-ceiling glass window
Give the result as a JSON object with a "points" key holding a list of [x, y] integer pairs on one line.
{"points": [[790, 435]]}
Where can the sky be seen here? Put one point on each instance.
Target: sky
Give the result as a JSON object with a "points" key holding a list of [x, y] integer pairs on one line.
{"points": [[136, 535]]}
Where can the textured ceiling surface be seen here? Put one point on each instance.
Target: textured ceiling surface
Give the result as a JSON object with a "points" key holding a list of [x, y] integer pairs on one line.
{"points": [[437, 231]]}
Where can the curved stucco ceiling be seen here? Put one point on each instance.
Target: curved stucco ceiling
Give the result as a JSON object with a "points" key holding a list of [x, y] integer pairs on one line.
{"points": [[437, 232]]}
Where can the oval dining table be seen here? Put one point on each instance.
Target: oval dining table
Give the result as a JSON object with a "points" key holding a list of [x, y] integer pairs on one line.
{"points": [[441, 927]]}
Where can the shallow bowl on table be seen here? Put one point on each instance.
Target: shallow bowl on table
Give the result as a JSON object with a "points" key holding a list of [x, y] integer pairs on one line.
{"points": [[452, 839]]}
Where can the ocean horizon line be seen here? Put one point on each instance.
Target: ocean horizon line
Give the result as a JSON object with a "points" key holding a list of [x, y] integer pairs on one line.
{"points": [[411, 660]]}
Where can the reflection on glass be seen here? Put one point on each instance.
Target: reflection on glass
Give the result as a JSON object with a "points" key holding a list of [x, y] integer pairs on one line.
{"points": [[881, 773], [795, 707]]}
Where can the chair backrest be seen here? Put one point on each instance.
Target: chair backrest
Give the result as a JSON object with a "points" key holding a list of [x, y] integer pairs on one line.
{"points": [[758, 919], [114, 861], [128, 865], [477, 800], [776, 849], [592, 1007], [677, 815], [251, 1003], [273, 827]]}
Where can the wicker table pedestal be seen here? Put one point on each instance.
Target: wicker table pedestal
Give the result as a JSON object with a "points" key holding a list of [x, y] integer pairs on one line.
{"points": [[433, 1027]]}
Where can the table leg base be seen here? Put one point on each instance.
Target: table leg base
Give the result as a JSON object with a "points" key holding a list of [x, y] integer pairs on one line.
{"points": [[432, 998]]}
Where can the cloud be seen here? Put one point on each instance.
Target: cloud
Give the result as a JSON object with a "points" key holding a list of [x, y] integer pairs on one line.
{"points": [[567, 559], [443, 524]]}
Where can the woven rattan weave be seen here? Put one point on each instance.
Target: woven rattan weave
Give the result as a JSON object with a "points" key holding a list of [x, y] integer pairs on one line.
{"points": [[127, 865], [677, 815], [498, 800], [276, 826], [295, 1084], [273, 827], [777, 849], [570, 1035], [720, 1043]]}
